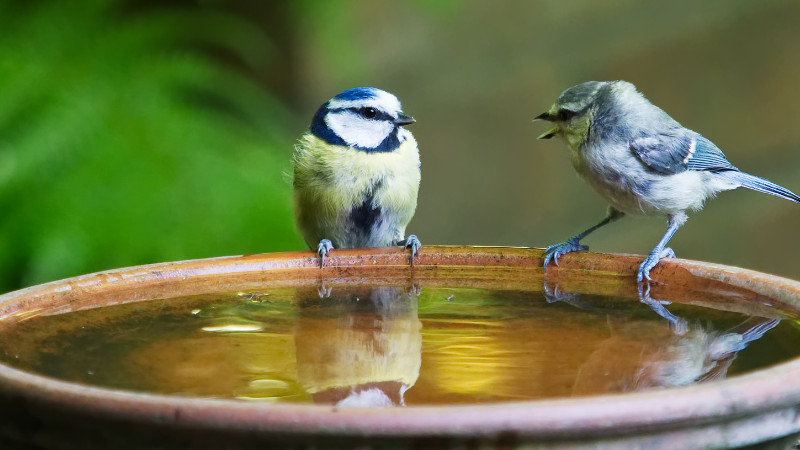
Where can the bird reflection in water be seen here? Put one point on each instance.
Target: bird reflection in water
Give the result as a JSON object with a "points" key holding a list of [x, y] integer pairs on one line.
{"points": [[359, 346], [681, 354]]}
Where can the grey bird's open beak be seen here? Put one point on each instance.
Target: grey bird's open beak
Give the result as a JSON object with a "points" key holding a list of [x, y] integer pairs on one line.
{"points": [[549, 133], [548, 117], [404, 120]]}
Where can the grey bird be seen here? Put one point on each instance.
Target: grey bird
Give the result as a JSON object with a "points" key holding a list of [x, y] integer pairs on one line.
{"points": [[641, 161]]}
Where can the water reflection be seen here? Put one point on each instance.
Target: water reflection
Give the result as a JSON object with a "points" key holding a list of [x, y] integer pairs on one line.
{"points": [[665, 360], [679, 325], [359, 347], [388, 346], [555, 294], [682, 354]]}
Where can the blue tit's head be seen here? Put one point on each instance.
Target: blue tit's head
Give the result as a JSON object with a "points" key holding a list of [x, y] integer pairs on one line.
{"points": [[573, 110], [364, 118]]}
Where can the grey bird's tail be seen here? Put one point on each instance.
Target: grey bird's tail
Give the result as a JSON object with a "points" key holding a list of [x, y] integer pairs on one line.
{"points": [[759, 184]]}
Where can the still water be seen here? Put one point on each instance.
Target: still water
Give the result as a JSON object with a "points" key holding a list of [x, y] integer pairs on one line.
{"points": [[384, 346]]}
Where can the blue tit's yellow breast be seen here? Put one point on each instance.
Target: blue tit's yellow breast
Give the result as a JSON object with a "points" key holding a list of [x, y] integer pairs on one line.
{"points": [[331, 180]]}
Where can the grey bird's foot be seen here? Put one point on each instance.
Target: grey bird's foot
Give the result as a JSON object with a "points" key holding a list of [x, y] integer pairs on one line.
{"points": [[324, 249], [651, 261], [568, 246], [412, 242]]}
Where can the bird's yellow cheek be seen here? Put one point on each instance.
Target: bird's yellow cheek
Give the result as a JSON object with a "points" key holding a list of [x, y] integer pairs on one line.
{"points": [[575, 132]]}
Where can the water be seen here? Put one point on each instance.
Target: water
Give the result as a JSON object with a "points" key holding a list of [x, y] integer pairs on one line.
{"points": [[393, 345]]}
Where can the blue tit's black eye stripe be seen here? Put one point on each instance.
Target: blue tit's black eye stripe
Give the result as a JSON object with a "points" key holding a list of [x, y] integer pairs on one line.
{"points": [[370, 113]]}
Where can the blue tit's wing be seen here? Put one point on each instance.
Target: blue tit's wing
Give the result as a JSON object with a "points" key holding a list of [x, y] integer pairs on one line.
{"points": [[678, 150]]}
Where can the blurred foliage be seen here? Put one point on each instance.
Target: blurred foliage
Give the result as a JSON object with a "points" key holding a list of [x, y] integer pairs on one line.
{"points": [[137, 131], [124, 141]]}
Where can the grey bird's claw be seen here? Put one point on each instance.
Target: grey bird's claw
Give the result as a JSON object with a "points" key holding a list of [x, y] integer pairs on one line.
{"points": [[324, 249], [644, 269], [568, 246], [650, 262], [667, 253], [412, 242]]}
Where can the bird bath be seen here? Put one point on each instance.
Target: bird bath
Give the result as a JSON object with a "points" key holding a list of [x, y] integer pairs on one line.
{"points": [[471, 346]]}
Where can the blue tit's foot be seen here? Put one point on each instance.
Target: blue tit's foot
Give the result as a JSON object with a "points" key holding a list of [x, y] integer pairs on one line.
{"points": [[568, 246], [324, 249], [413, 243], [651, 261]]}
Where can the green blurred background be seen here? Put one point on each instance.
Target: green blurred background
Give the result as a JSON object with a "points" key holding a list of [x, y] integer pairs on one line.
{"points": [[136, 131]]}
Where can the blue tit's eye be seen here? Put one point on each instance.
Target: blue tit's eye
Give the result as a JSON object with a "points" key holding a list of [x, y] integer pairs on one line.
{"points": [[369, 113]]}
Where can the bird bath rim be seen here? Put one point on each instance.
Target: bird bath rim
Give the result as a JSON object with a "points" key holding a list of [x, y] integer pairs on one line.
{"points": [[770, 396]]}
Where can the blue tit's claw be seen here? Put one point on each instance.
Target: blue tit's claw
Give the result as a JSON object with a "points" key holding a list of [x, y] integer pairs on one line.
{"points": [[667, 253], [412, 242], [554, 251], [324, 249]]}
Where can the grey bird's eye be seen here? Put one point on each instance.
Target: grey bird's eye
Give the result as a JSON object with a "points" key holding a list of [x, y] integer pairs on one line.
{"points": [[369, 113], [566, 114]]}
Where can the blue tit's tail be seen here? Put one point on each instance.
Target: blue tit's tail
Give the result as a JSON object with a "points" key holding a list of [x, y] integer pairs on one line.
{"points": [[759, 184]]}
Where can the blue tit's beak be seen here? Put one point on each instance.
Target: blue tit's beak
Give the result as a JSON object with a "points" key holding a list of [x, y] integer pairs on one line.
{"points": [[550, 118], [402, 119]]}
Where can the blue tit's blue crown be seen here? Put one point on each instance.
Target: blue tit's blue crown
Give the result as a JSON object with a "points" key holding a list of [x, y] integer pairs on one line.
{"points": [[363, 118], [358, 93]]}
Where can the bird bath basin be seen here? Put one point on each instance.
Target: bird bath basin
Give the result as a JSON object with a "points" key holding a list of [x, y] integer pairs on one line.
{"points": [[471, 346]]}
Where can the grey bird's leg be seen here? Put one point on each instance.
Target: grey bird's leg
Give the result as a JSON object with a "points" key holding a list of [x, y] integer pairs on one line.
{"points": [[324, 249], [573, 244], [413, 243], [661, 251]]}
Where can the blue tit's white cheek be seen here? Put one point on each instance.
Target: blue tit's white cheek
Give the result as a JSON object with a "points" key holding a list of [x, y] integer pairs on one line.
{"points": [[358, 131], [402, 134]]}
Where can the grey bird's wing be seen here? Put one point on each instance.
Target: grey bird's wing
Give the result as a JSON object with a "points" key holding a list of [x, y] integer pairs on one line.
{"points": [[678, 150]]}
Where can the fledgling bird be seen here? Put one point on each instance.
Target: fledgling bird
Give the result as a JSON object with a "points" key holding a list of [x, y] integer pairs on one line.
{"points": [[357, 174], [641, 161]]}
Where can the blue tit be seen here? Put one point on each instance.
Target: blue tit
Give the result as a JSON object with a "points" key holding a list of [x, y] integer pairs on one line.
{"points": [[357, 174], [641, 161]]}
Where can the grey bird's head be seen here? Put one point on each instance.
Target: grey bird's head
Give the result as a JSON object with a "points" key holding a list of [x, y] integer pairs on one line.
{"points": [[576, 107]]}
